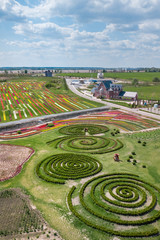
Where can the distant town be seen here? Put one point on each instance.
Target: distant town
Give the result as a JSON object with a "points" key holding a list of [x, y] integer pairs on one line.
{"points": [[41, 70]]}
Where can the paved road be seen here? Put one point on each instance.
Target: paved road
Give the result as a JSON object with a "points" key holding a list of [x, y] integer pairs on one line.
{"points": [[137, 111]]}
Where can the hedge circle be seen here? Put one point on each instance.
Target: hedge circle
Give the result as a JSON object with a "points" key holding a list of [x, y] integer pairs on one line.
{"points": [[79, 129], [61, 167], [109, 202], [87, 144]]}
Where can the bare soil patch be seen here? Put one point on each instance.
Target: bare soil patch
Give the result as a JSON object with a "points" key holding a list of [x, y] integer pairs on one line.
{"points": [[12, 158]]}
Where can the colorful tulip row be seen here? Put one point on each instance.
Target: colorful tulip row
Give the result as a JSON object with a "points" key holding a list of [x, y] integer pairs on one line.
{"points": [[119, 119], [31, 99]]}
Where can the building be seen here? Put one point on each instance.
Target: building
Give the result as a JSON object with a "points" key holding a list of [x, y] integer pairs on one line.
{"points": [[100, 75], [106, 89], [48, 73]]}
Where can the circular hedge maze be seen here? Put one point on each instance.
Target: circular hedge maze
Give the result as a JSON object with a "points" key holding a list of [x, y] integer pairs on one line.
{"points": [[118, 204], [86, 144], [79, 129], [61, 167]]}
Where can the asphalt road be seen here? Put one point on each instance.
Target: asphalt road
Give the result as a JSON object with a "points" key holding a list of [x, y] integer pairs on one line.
{"points": [[137, 111]]}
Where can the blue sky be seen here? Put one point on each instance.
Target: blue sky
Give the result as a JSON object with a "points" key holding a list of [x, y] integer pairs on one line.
{"points": [[84, 33]]}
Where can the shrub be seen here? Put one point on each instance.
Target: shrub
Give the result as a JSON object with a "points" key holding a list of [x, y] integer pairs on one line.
{"points": [[156, 79], [133, 153], [19, 131], [50, 125]]}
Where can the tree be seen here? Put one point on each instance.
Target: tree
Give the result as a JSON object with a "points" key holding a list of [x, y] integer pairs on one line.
{"points": [[135, 82], [156, 79]]}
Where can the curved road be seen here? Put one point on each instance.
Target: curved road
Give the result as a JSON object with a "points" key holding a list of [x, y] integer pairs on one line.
{"points": [[137, 111]]}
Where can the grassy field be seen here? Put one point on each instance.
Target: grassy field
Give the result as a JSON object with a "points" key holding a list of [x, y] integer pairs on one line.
{"points": [[51, 199], [145, 92], [149, 92], [142, 76]]}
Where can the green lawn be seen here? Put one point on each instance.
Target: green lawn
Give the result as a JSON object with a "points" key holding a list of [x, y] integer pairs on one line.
{"points": [[145, 92], [50, 198], [141, 76]]}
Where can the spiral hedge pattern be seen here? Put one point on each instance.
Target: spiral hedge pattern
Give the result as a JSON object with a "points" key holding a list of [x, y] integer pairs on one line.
{"points": [[79, 129], [111, 203], [86, 144], [61, 167]]}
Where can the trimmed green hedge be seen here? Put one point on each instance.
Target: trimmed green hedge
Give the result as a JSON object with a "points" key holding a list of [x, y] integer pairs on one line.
{"points": [[61, 167], [79, 129], [127, 190], [87, 144]]}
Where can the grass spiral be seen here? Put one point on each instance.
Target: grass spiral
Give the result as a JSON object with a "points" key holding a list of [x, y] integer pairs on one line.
{"points": [[79, 129], [86, 144], [61, 167], [118, 204]]}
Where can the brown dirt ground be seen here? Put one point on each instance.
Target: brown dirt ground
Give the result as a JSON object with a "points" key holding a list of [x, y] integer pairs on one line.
{"points": [[12, 158]]}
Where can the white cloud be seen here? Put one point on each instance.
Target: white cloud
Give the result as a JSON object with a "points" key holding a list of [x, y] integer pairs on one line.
{"points": [[123, 44], [33, 44], [53, 31], [47, 29], [10, 10], [66, 27], [82, 10], [150, 26]]}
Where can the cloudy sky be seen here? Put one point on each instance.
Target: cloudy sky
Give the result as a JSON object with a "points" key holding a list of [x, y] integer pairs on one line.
{"points": [[84, 33]]}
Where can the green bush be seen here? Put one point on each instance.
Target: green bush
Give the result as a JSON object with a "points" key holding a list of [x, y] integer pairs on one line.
{"points": [[50, 125], [133, 153]]}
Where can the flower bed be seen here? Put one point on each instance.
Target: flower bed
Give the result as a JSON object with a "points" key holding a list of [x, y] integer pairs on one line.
{"points": [[12, 158], [29, 99], [123, 121]]}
